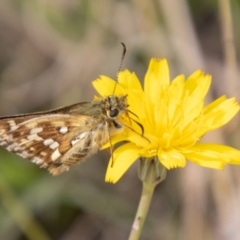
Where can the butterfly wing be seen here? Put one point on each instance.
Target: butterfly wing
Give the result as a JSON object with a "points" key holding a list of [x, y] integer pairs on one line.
{"points": [[55, 139]]}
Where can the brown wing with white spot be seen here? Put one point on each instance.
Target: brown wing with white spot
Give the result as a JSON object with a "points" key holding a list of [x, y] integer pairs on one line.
{"points": [[54, 141]]}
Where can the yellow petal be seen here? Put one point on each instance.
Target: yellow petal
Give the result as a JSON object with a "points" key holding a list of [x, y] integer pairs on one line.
{"points": [[212, 155], [135, 100], [175, 92], [214, 104], [138, 139], [219, 113], [198, 80], [157, 77], [115, 139], [129, 80], [196, 88], [171, 159], [105, 86], [123, 158]]}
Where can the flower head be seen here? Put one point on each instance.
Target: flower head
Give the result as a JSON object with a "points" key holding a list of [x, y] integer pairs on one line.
{"points": [[174, 119]]}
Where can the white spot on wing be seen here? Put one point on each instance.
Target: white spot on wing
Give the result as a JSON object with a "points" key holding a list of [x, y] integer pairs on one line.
{"points": [[55, 155], [37, 160], [79, 137], [48, 142], [44, 165], [11, 146], [54, 145], [24, 154], [63, 130], [22, 141], [12, 125], [3, 143], [2, 132], [36, 130], [30, 124], [74, 141], [34, 137], [43, 154], [17, 148]]}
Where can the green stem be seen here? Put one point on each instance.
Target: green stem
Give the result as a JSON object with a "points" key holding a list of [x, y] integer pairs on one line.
{"points": [[146, 197]]}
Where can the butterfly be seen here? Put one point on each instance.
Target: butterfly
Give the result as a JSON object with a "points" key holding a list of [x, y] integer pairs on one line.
{"points": [[59, 138]]}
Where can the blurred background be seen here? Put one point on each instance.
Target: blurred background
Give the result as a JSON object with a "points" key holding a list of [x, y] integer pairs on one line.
{"points": [[50, 51]]}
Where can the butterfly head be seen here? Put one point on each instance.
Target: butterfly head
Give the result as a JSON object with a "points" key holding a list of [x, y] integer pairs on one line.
{"points": [[114, 105]]}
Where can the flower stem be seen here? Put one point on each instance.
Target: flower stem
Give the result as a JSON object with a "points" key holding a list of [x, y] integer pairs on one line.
{"points": [[146, 197]]}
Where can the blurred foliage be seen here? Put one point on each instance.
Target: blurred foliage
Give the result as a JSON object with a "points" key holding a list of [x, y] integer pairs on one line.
{"points": [[50, 51]]}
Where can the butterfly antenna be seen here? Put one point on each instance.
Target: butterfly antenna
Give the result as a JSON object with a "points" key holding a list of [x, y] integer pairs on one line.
{"points": [[122, 58]]}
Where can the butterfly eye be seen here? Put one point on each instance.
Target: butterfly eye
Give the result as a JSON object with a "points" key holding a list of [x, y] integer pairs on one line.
{"points": [[114, 112]]}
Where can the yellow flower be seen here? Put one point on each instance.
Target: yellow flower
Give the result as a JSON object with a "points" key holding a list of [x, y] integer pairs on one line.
{"points": [[174, 119]]}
